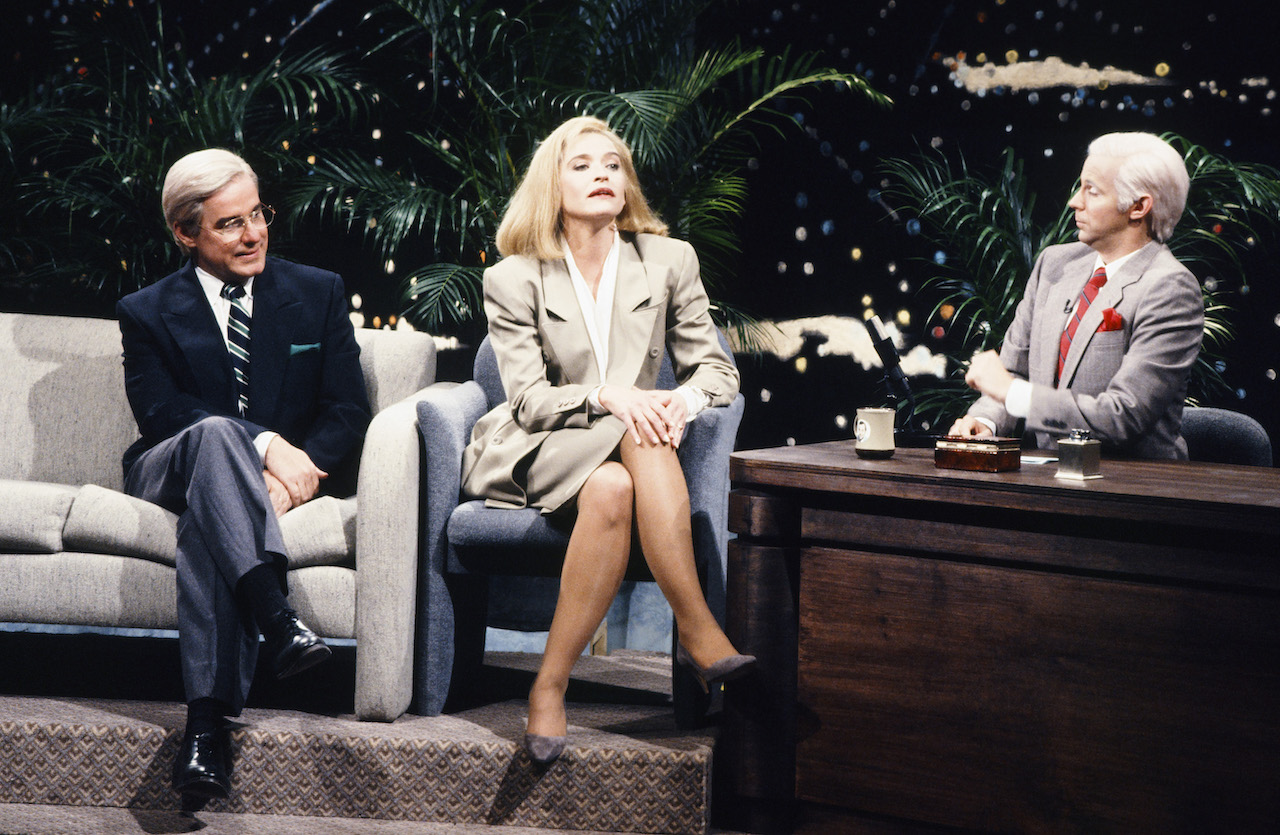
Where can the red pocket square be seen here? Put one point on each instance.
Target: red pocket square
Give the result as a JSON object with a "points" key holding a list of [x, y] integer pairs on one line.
{"points": [[1111, 321]]}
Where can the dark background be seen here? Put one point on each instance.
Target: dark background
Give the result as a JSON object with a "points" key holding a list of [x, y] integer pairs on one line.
{"points": [[825, 177]]}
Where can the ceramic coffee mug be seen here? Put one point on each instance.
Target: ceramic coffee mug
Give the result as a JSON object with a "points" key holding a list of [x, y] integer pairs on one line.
{"points": [[873, 433]]}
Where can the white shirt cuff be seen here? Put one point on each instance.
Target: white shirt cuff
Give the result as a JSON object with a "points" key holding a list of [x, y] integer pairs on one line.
{"points": [[1018, 401], [593, 401], [262, 441], [695, 400]]}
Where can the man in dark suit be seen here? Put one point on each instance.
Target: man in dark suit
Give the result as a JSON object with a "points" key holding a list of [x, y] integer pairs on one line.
{"points": [[243, 374], [1107, 332]]}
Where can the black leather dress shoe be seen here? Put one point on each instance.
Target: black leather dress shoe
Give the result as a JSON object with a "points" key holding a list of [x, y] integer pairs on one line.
{"points": [[293, 647], [203, 767]]}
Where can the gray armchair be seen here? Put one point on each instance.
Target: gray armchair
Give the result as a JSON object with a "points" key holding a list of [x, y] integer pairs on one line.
{"points": [[466, 544]]}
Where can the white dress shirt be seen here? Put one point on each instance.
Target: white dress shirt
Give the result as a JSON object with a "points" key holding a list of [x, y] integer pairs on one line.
{"points": [[597, 312]]}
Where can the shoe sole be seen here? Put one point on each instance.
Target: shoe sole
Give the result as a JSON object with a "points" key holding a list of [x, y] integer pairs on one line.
{"points": [[203, 789], [310, 657]]}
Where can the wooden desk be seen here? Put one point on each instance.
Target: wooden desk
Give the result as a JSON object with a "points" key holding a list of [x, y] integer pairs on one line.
{"points": [[1006, 651]]}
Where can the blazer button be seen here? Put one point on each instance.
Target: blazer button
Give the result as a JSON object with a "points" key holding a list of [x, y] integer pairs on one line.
{"points": [[497, 439], [653, 352]]}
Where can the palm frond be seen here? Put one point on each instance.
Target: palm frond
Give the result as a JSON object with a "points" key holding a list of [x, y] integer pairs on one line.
{"points": [[444, 293]]}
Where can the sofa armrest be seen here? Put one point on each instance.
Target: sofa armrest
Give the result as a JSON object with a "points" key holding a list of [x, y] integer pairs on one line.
{"points": [[387, 561]]}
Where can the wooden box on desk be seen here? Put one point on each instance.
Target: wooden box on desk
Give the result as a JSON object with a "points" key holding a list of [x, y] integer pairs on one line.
{"points": [[983, 455]]}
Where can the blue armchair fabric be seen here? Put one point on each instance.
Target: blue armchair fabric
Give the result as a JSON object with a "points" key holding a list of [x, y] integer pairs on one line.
{"points": [[465, 544], [1222, 436]]}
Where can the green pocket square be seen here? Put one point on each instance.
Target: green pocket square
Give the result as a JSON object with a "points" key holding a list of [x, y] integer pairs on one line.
{"points": [[302, 349]]}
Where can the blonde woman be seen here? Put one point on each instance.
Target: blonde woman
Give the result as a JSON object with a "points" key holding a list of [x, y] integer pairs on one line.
{"points": [[587, 297]]}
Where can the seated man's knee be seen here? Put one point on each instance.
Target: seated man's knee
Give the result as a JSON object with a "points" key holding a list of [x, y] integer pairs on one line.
{"points": [[219, 430]]}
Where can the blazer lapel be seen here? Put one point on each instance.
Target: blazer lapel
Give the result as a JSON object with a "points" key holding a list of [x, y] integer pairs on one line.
{"points": [[634, 314], [203, 346], [565, 327], [1059, 301], [274, 307]]}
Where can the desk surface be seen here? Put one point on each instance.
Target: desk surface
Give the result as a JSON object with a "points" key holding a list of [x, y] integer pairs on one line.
{"points": [[1229, 497]]}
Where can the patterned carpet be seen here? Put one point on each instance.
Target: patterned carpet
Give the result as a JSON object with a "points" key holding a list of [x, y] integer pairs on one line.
{"points": [[627, 768]]}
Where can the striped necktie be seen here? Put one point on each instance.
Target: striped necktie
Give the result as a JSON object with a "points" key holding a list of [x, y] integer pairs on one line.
{"points": [[1087, 295], [238, 341]]}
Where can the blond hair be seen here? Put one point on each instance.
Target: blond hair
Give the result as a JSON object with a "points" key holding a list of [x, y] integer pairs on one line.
{"points": [[532, 224], [194, 179], [1148, 165]]}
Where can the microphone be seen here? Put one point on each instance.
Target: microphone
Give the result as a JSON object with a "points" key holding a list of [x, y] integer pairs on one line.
{"points": [[899, 388], [893, 373]]}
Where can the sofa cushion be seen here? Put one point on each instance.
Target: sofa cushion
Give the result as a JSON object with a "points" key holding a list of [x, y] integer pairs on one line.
{"points": [[321, 532], [106, 521], [101, 521], [32, 515], [62, 403]]}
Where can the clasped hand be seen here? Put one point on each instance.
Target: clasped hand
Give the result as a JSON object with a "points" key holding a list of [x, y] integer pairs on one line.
{"points": [[656, 416], [292, 477]]}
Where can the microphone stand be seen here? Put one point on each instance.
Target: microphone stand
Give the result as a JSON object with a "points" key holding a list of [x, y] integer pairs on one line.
{"points": [[910, 435]]}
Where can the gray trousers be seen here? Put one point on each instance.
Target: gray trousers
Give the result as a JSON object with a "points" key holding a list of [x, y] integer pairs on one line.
{"points": [[210, 474]]}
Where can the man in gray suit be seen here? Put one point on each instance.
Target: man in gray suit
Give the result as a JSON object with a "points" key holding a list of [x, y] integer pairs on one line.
{"points": [[1108, 329], [244, 376]]}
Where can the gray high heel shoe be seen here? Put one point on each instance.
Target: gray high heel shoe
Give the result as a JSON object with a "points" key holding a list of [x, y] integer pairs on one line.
{"points": [[726, 669], [544, 750]]}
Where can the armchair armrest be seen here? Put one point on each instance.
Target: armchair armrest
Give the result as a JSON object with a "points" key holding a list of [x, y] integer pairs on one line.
{"points": [[446, 416], [704, 457]]}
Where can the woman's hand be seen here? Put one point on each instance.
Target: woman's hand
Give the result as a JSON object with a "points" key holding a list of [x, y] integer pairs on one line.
{"points": [[656, 416]]}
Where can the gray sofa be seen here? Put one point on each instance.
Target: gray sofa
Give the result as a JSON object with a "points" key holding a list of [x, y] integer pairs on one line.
{"points": [[74, 549]]}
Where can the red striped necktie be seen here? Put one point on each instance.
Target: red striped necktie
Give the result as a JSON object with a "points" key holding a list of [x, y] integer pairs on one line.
{"points": [[1087, 295]]}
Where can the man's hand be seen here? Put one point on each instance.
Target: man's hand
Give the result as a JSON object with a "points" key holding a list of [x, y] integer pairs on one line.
{"points": [[970, 427], [657, 415], [988, 376], [280, 501], [294, 470]]}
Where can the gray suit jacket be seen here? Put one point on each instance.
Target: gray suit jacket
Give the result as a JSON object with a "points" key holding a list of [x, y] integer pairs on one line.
{"points": [[1127, 384], [538, 448]]}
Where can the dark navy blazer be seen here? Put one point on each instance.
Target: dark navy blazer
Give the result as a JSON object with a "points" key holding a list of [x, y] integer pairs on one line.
{"points": [[304, 382]]}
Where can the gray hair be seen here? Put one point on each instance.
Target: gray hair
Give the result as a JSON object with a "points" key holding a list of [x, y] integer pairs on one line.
{"points": [[1148, 165], [194, 179]]}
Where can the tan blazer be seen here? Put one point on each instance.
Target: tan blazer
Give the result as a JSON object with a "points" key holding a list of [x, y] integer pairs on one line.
{"points": [[1125, 380], [538, 448]]}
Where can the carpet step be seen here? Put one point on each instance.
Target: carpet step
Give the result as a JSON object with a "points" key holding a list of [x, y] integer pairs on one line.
{"points": [[626, 769]]}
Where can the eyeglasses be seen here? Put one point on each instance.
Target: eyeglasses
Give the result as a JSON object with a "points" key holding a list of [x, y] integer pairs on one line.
{"points": [[233, 227]]}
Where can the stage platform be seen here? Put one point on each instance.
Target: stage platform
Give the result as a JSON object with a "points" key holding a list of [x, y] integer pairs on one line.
{"points": [[79, 758]]}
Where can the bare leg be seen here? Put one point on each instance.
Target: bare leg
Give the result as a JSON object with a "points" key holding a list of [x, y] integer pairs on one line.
{"points": [[594, 565], [666, 537]]}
